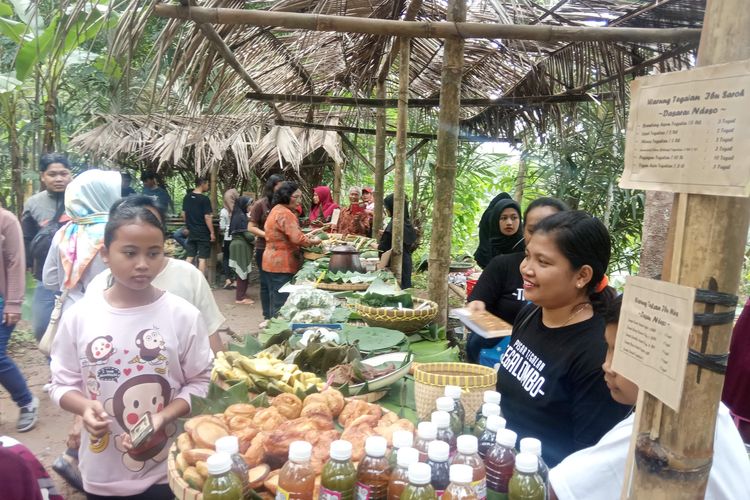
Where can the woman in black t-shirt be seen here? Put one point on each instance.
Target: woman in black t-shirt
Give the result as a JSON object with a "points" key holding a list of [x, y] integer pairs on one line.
{"points": [[500, 287], [550, 376]]}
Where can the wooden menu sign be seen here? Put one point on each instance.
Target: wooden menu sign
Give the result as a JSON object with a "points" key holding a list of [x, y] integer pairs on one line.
{"points": [[689, 131]]}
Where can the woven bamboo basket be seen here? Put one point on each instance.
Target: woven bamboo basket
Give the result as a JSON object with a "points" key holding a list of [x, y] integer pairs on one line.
{"points": [[313, 255], [430, 380], [343, 287], [403, 320], [181, 490]]}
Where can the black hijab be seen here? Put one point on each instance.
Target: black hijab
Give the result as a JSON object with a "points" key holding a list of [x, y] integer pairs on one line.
{"points": [[495, 242], [410, 234], [238, 223]]}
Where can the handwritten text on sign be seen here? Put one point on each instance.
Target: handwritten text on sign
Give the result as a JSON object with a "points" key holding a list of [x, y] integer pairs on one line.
{"points": [[652, 337], [689, 131]]}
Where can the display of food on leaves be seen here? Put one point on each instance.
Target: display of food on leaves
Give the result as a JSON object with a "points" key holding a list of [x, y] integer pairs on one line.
{"points": [[265, 434], [315, 271], [264, 373], [361, 243]]}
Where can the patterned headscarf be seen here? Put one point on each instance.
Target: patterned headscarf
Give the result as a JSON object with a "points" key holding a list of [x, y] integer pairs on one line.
{"points": [[88, 199]]}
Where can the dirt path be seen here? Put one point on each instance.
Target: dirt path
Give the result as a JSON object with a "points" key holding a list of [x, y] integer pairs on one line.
{"points": [[47, 439]]}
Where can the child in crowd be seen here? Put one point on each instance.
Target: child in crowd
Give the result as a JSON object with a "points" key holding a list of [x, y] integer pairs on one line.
{"points": [[598, 472], [130, 351]]}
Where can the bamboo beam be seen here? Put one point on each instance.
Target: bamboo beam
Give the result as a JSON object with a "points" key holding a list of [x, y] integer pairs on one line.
{"points": [[399, 177], [446, 167], [385, 67], [338, 170], [389, 133], [674, 450], [534, 100], [409, 153], [424, 29], [380, 133]]}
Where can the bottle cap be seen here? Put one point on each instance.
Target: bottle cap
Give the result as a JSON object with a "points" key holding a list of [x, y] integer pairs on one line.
{"points": [[490, 409], [467, 444], [506, 437], [341, 450], [300, 451], [531, 445], [402, 439], [219, 463], [527, 462], [495, 423], [375, 446], [407, 456], [453, 391], [426, 430], [491, 397], [228, 444], [445, 404], [420, 473], [441, 419], [461, 473], [438, 451]]}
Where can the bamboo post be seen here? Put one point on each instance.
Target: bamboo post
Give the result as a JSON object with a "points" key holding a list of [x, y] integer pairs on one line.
{"points": [[377, 218], [399, 179], [216, 245], [706, 258], [520, 180], [445, 170], [338, 169]]}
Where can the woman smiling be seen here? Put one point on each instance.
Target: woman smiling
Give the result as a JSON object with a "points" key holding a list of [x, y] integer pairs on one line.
{"points": [[550, 376]]}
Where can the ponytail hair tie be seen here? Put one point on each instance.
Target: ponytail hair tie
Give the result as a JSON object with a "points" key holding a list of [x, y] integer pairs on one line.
{"points": [[602, 284]]}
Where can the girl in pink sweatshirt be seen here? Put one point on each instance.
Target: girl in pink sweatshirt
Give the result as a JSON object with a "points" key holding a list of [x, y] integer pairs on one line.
{"points": [[131, 351]]}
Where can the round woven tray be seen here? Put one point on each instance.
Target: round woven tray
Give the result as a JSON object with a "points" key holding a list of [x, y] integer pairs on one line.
{"points": [[181, 490], [341, 287], [404, 320], [313, 255], [430, 380]]}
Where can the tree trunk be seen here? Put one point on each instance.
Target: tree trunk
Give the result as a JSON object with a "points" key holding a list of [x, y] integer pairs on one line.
{"points": [[50, 112], [15, 160], [674, 450], [445, 170], [399, 197], [520, 180], [377, 219], [337, 172], [656, 215]]}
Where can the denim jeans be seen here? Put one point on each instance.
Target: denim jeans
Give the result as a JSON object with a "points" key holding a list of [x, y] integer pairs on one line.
{"points": [[265, 297], [275, 282], [10, 376], [41, 310], [179, 237]]}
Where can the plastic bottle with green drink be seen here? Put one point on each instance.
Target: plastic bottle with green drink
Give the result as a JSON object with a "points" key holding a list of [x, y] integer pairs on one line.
{"points": [[426, 432], [400, 476], [442, 421], [447, 405], [500, 463], [460, 485], [526, 484], [373, 471], [401, 439], [467, 446], [222, 483], [534, 446], [339, 477], [419, 487], [454, 392], [487, 440], [481, 422], [231, 446], [489, 397], [438, 455]]}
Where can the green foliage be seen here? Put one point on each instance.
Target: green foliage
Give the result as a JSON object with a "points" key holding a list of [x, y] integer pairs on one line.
{"points": [[218, 399]]}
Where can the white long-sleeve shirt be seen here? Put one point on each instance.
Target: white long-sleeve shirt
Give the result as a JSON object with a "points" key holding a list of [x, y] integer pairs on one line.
{"points": [[133, 361]]}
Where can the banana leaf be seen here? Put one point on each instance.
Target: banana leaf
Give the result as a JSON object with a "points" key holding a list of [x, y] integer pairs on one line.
{"points": [[251, 347], [319, 357], [371, 338], [279, 337], [218, 399]]}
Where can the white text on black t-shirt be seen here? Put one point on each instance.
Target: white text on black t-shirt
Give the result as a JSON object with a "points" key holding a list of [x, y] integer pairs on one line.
{"points": [[526, 366]]}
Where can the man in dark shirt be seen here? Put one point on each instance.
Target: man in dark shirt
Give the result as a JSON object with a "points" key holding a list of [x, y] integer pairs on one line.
{"points": [[197, 214], [151, 187], [126, 190], [38, 211]]}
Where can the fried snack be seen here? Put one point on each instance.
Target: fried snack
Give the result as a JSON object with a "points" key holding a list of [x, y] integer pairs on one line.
{"points": [[357, 433], [317, 410], [335, 401], [268, 419], [240, 423], [387, 430], [245, 437], [301, 429], [192, 423], [206, 432], [240, 410], [288, 405], [357, 408], [321, 449], [315, 398], [388, 418], [255, 453]]}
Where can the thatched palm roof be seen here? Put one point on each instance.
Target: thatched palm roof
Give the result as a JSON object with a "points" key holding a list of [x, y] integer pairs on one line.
{"points": [[200, 83]]}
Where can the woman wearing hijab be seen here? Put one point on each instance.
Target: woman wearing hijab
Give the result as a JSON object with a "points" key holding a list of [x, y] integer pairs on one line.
{"points": [[322, 205], [225, 216], [241, 248], [410, 238], [73, 259], [503, 232]]}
